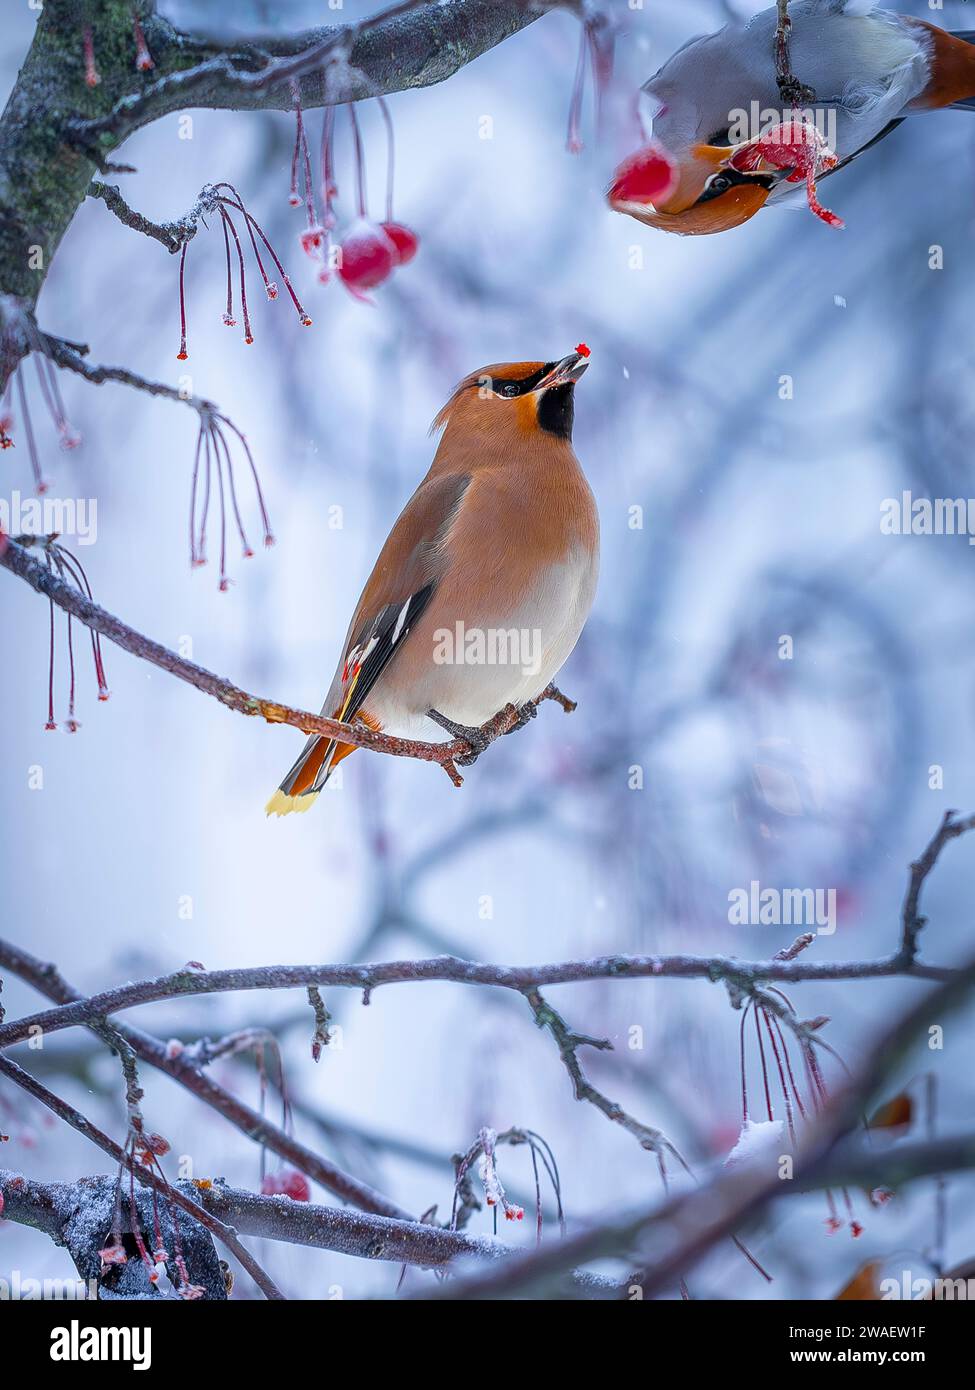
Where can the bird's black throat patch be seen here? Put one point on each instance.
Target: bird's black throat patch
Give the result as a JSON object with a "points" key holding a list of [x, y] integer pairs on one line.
{"points": [[556, 409]]}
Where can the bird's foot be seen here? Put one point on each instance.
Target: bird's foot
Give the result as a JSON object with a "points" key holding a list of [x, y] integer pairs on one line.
{"points": [[526, 714], [476, 737]]}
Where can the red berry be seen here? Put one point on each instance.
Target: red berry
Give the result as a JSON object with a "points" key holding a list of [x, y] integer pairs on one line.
{"points": [[649, 176], [288, 1183], [312, 240], [295, 1185], [368, 256], [406, 242]]}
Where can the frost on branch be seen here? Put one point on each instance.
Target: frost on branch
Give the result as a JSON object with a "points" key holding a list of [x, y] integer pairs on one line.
{"points": [[103, 1237], [481, 1158]]}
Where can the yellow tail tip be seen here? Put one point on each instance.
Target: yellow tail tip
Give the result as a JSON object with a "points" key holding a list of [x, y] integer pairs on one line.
{"points": [[283, 805]]}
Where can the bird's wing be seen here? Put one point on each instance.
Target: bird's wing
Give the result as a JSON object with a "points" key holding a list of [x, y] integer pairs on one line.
{"points": [[865, 63], [403, 581], [840, 6]]}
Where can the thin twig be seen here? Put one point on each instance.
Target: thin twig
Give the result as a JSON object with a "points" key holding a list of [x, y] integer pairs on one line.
{"points": [[791, 90], [912, 921], [368, 977], [172, 235]]}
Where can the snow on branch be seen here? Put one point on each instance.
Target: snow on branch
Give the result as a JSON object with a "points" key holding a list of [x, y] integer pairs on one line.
{"points": [[141, 1173], [172, 235]]}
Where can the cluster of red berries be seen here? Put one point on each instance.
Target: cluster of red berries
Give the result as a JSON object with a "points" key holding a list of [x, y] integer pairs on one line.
{"points": [[798, 145], [367, 252]]}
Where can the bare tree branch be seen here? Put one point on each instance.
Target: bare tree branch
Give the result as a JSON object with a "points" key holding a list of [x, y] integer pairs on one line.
{"points": [[54, 120], [791, 90], [172, 235], [669, 1239], [37, 1204], [80, 1216], [568, 1044], [368, 977], [16, 558], [666, 1240], [182, 1068], [72, 358], [912, 922]]}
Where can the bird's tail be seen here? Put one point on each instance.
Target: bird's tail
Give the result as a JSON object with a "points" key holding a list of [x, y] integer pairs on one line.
{"points": [[952, 68], [316, 763], [966, 36]]}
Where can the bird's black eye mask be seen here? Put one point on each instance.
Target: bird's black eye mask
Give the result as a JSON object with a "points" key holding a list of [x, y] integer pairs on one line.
{"points": [[508, 390], [732, 178]]}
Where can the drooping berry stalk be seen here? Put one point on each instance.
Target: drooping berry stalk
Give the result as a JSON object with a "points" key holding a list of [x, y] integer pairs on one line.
{"points": [[228, 226], [213, 456], [69, 568], [143, 58], [73, 565], [224, 198], [235, 201], [40, 485], [792, 1099], [182, 355], [360, 160], [595, 52], [92, 78], [573, 137]]}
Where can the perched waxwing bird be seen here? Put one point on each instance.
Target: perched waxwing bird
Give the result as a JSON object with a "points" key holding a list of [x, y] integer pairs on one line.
{"points": [[485, 581], [867, 68]]}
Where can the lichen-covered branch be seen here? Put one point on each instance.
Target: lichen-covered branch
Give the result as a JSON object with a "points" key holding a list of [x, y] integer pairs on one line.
{"points": [[57, 130], [413, 43]]}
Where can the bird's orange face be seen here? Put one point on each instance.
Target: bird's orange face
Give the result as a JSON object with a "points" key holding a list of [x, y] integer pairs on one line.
{"points": [[522, 397], [710, 195]]}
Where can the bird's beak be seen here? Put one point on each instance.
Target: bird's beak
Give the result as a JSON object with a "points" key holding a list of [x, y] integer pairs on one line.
{"points": [[569, 370], [693, 171], [680, 212]]}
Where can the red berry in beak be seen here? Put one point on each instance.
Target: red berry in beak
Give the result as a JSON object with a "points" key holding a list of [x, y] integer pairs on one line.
{"points": [[405, 241], [649, 176], [368, 256]]}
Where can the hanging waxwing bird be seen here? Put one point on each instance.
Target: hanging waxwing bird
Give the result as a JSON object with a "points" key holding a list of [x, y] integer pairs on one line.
{"points": [[868, 68], [485, 581]]}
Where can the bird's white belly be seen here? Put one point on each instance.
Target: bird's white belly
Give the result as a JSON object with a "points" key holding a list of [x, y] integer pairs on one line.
{"points": [[473, 672]]}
